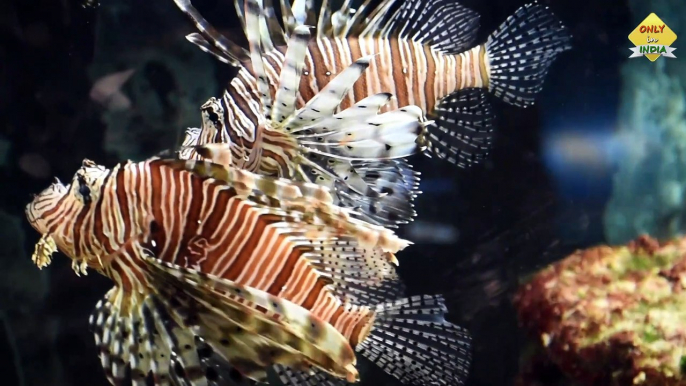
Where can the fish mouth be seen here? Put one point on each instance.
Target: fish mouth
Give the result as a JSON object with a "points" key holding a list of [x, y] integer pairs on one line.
{"points": [[43, 203]]}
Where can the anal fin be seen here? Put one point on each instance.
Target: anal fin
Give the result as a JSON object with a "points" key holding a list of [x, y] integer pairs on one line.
{"points": [[463, 127]]}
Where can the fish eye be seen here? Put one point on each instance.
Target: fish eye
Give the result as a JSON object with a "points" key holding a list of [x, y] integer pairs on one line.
{"points": [[84, 190]]}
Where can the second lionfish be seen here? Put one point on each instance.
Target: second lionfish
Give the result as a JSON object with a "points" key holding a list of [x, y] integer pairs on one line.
{"points": [[218, 268], [424, 53]]}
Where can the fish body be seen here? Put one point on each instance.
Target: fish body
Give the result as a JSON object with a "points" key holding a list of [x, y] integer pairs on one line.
{"points": [[218, 267], [419, 78], [361, 161], [415, 73], [201, 253], [424, 53]]}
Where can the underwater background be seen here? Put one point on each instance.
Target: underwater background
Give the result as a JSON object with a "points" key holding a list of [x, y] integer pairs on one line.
{"points": [[599, 159]]}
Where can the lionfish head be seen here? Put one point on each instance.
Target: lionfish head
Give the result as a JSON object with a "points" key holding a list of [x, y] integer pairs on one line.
{"points": [[58, 204], [43, 203]]}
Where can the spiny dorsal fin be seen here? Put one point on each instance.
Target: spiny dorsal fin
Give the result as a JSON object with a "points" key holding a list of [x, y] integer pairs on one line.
{"points": [[291, 71], [325, 102], [287, 16], [253, 14], [276, 32], [202, 43], [341, 20], [445, 25], [210, 40]]}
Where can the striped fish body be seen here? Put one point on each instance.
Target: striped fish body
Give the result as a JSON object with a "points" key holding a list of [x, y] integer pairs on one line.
{"points": [[257, 147], [204, 225], [207, 226], [425, 55], [221, 268], [300, 139], [416, 74]]}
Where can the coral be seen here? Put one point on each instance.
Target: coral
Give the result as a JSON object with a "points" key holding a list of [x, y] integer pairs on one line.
{"points": [[612, 315]]}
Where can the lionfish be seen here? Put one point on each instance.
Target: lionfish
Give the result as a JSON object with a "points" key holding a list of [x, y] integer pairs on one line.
{"points": [[218, 268], [424, 55]]}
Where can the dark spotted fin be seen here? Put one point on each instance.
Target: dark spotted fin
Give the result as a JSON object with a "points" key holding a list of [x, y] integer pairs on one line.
{"points": [[251, 329], [463, 128], [444, 25], [398, 185], [124, 340], [359, 276], [412, 341], [314, 377], [521, 51], [379, 192], [146, 339], [218, 369], [132, 331]]}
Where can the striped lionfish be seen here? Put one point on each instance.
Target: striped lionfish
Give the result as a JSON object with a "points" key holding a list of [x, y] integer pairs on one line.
{"points": [[218, 268], [425, 54]]}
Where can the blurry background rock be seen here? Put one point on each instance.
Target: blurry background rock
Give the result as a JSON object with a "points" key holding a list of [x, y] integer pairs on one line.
{"points": [[150, 82], [649, 187]]}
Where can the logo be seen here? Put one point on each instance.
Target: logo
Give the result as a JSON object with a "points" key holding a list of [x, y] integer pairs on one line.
{"points": [[652, 39]]}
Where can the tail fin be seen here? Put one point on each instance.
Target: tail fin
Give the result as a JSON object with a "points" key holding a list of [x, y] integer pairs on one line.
{"points": [[412, 341], [521, 50]]}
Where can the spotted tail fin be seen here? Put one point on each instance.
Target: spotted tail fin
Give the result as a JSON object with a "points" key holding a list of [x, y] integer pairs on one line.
{"points": [[521, 51], [412, 341]]}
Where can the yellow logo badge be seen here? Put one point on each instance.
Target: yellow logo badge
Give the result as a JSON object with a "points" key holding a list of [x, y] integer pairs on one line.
{"points": [[652, 39]]}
